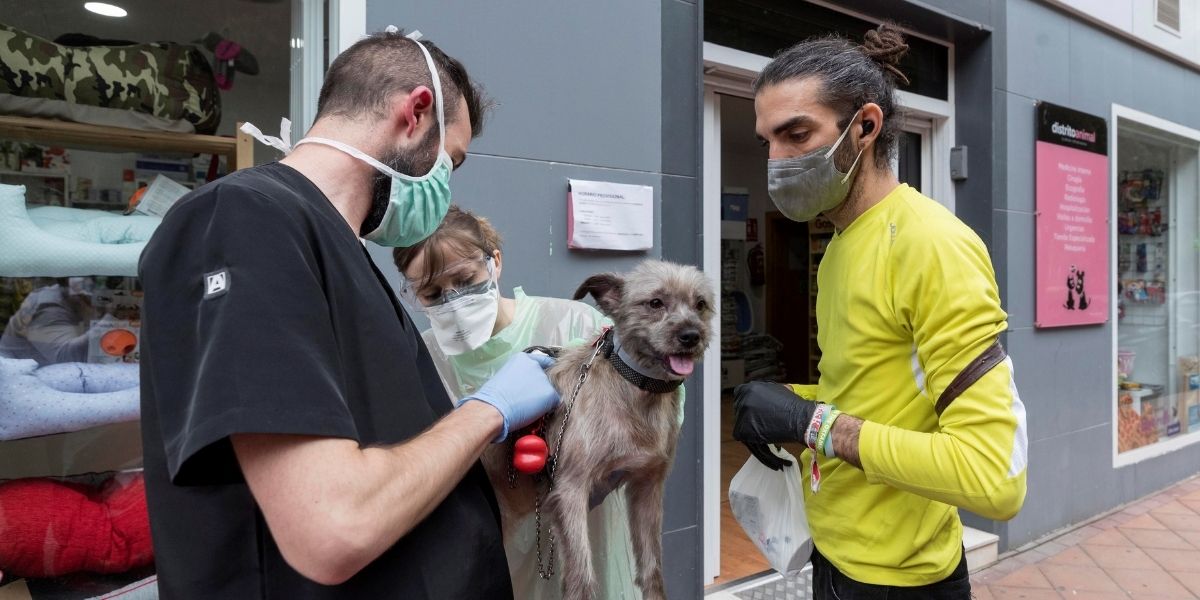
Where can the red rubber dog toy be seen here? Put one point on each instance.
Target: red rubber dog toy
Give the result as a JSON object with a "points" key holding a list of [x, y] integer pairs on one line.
{"points": [[529, 454]]}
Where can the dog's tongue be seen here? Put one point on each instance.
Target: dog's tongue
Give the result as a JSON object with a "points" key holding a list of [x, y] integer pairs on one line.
{"points": [[682, 365]]}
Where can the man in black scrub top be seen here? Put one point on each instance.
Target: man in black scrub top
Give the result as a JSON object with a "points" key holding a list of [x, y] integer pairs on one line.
{"points": [[298, 441]]}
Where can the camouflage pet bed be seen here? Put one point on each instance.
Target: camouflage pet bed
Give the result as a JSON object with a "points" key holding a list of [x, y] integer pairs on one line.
{"points": [[161, 86]]}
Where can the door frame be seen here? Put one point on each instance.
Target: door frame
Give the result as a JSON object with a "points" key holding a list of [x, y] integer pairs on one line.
{"points": [[728, 71], [923, 127], [344, 22], [711, 382], [347, 24]]}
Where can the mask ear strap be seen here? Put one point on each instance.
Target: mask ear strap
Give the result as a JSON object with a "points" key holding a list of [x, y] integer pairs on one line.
{"points": [[491, 268], [440, 103], [352, 151], [843, 136], [283, 143], [856, 158]]}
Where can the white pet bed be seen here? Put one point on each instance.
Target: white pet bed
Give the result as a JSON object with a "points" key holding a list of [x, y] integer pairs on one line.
{"points": [[67, 242]]}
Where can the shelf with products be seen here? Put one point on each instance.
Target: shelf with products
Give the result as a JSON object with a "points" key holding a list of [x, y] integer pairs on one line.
{"points": [[1143, 261], [819, 243], [72, 417], [1144, 417], [42, 186], [820, 225]]}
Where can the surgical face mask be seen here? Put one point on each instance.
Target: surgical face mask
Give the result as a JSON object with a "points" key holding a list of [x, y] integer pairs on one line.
{"points": [[462, 318], [416, 205], [806, 186]]}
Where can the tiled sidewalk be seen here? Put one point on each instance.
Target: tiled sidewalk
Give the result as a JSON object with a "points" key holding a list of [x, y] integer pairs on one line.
{"points": [[1148, 550]]}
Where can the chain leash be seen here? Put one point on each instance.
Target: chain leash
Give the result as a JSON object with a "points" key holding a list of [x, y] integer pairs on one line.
{"points": [[545, 568]]}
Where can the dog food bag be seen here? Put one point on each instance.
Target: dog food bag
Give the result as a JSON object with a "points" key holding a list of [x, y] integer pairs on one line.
{"points": [[769, 505]]}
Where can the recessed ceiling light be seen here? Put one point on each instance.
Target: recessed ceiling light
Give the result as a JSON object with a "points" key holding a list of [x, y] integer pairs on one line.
{"points": [[102, 8]]}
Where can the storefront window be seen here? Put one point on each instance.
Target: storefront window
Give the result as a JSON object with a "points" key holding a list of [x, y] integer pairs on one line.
{"points": [[1158, 287], [70, 319]]}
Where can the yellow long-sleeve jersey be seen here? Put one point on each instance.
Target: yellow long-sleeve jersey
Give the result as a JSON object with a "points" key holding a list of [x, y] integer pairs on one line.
{"points": [[907, 298]]}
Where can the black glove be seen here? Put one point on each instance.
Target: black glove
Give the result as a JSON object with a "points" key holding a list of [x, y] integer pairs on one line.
{"points": [[769, 413]]}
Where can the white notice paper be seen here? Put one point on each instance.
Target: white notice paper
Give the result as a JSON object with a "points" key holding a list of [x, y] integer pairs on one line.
{"points": [[609, 216], [159, 197]]}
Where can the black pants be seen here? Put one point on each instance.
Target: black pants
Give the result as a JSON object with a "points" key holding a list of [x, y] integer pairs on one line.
{"points": [[831, 584]]}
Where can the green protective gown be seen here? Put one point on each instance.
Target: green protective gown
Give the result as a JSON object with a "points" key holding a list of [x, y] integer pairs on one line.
{"points": [[548, 322]]}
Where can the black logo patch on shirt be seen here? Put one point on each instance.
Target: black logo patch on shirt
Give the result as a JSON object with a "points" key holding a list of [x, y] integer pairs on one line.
{"points": [[216, 284]]}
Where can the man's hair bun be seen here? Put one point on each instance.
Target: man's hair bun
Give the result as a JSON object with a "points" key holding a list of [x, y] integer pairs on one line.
{"points": [[886, 46]]}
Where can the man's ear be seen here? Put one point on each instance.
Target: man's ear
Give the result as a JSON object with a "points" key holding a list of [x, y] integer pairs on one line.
{"points": [[410, 108], [871, 123], [606, 288]]}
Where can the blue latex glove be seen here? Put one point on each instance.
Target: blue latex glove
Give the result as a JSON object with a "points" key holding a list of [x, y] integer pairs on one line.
{"points": [[520, 390]]}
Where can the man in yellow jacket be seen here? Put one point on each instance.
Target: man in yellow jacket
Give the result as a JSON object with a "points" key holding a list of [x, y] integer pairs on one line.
{"points": [[916, 412]]}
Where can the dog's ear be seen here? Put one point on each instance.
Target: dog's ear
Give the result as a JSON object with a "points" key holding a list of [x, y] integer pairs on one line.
{"points": [[606, 288]]}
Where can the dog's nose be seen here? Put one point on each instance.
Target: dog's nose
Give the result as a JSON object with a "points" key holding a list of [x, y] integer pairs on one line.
{"points": [[688, 337]]}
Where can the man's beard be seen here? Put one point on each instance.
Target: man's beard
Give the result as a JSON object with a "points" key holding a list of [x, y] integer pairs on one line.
{"points": [[414, 162], [843, 160], [843, 157]]}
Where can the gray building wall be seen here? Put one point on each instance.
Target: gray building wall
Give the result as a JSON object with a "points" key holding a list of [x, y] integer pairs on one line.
{"points": [[590, 90], [1064, 374]]}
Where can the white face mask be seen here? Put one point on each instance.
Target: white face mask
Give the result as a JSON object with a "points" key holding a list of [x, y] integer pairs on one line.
{"points": [[461, 310], [466, 322]]}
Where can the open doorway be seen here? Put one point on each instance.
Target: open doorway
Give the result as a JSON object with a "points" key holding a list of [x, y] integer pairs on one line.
{"points": [[757, 245], [768, 304]]}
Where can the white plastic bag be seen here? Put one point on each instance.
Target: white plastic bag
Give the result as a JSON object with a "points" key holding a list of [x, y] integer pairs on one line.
{"points": [[769, 505]]}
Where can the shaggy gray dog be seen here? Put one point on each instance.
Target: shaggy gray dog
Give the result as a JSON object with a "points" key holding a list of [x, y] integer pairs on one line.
{"points": [[624, 424]]}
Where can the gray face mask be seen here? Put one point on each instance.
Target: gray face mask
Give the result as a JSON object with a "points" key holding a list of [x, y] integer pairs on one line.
{"points": [[803, 187]]}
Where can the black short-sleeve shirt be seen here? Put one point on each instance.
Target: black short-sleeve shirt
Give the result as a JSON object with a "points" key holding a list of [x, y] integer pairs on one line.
{"points": [[263, 313]]}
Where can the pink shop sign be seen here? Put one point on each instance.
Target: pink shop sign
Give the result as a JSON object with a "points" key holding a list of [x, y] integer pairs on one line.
{"points": [[1073, 285]]}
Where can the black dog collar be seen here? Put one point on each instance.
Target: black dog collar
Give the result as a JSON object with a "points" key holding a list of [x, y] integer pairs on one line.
{"points": [[642, 381]]}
